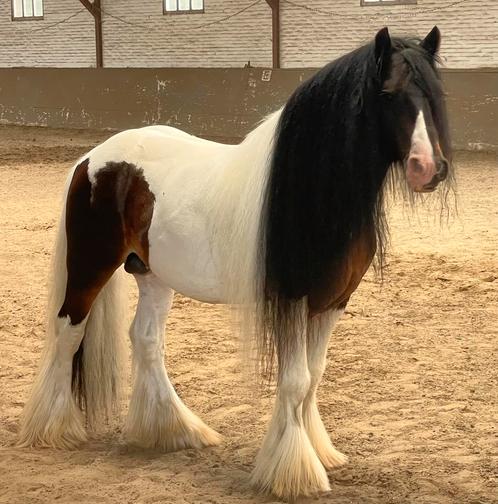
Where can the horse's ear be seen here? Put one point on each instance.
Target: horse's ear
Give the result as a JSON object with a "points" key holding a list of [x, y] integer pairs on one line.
{"points": [[432, 42], [383, 49]]}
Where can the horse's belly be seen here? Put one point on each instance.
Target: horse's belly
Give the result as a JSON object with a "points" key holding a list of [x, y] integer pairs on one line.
{"points": [[180, 254]]}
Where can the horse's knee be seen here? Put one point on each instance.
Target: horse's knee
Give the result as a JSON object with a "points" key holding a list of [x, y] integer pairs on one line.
{"points": [[316, 370]]}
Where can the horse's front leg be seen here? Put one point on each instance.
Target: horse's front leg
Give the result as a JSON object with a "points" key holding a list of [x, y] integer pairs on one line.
{"points": [[157, 417], [287, 465], [318, 337]]}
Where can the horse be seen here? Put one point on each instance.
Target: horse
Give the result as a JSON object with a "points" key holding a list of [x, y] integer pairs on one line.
{"points": [[283, 225]]}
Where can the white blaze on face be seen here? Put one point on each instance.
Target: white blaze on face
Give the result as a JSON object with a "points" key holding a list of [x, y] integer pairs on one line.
{"points": [[421, 166], [421, 144]]}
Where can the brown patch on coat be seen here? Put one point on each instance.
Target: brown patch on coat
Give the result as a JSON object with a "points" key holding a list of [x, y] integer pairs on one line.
{"points": [[105, 222], [344, 276]]}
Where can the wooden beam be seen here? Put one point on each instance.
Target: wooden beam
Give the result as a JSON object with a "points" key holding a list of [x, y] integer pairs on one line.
{"points": [[98, 34], [275, 29], [275, 23], [95, 10], [88, 5]]}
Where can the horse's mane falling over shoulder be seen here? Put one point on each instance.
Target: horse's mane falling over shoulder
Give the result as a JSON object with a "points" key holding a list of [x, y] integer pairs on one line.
{"points": [[303, 186], [326, 173], [324, 187], [326, 184]]}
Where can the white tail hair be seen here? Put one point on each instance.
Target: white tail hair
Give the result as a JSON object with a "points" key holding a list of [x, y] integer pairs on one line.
{"points": [[104, 352]]}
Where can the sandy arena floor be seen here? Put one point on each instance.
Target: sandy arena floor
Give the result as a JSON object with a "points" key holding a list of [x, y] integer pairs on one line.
{"points": [[410, 392]]}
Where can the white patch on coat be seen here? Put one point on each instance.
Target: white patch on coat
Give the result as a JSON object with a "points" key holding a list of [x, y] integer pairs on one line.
{"points": [[203, 237], [420, 141]]}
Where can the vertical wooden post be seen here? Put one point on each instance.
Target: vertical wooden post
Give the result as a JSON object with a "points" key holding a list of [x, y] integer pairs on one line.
{"points": [[95, 10], [276, 33], [275, 28], [97, 14]]}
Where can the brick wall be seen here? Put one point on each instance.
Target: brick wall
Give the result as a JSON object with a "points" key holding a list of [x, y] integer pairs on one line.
{"points": [[470, 29], [144, 37], [177, 40], [45, 43]]}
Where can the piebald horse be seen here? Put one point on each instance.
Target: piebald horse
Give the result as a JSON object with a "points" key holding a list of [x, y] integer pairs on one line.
{"points": [[283, 225]]}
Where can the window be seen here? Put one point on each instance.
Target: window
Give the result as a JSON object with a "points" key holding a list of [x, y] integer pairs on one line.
{"points": [[183, 6], [388, 2], [27, 9]]}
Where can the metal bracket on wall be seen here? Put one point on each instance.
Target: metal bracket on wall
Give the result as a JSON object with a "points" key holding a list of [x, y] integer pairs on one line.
{"points": [[95, 10]]}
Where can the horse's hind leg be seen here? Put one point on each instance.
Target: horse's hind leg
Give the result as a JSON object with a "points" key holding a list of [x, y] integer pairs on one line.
{"points": [[52, 416], [318, 338], [90, 247], [287, 464], [157, 417]]}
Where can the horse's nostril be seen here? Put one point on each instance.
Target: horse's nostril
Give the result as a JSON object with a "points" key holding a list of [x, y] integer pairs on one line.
{"points": [[418, 166], [415, 164], [442, 168]]}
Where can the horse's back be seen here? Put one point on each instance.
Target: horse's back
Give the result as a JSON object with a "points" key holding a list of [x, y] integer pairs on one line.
{"points": [[163, 146], [175, 171]]}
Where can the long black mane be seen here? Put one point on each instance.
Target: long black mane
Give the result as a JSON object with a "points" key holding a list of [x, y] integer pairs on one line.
{"points": [[328, 173]]}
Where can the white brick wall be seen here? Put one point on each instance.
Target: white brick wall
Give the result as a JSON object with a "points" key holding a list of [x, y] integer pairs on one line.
{"points": [[469, 29], [175, 40], [42, 43], [147, 38]]}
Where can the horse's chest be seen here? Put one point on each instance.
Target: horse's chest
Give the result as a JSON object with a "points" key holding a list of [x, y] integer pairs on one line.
{"points": [[343, 276]]}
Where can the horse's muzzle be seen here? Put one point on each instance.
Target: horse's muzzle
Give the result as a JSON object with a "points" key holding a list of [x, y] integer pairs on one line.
{"points": [[424, 173]]}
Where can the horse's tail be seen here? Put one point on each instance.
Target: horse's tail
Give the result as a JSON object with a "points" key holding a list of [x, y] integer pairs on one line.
{"points": [[100, 359]]}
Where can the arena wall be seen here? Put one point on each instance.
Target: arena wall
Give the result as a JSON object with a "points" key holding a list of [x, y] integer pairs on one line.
{"points": [[222, 104]]}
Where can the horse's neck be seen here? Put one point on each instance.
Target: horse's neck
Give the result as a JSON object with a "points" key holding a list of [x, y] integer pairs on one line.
{"points": [[264, 131], [242, 179], [235, 206], [254, 152]]}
